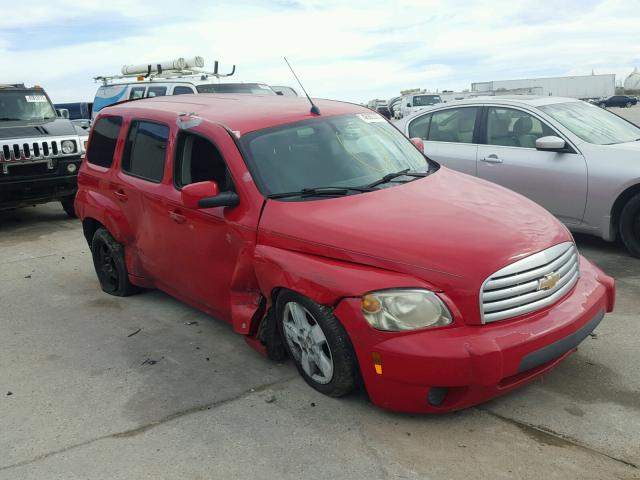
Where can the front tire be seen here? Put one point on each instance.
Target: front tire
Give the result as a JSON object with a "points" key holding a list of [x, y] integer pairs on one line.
{"points": [[108, 260], [629, 104], [317, 343], [630, 226], [603, 105], [69, 207]]}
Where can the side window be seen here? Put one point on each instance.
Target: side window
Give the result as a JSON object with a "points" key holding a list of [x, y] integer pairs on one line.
{"points": [[145, 150], [156, 91], [453, 125], [514, 128], [420, 127], [198, 160], [103, 141], [181, 90], [136, 92]]}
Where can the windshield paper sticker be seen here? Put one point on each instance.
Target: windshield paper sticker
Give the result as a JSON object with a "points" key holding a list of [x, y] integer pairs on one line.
{"points": [[370, 117], [36, 98]]}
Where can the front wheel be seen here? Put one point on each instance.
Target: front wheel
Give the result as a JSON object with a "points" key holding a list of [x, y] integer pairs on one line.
{"points": [[317, 343], [69, 207], [629, 104], [108, 260], [630, 225]]}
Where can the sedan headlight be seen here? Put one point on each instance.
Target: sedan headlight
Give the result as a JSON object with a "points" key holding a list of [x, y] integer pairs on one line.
{"points": [[399, 310], [68, 146]]}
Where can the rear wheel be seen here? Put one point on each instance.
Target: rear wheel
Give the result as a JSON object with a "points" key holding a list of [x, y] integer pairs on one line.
{"points": [[317, 343], [629, 104], [630, 225], [108, 260], [68, 206], [603, 105]]}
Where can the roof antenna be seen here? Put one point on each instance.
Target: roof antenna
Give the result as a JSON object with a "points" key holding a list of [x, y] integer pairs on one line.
{"points": [[314, 108]]}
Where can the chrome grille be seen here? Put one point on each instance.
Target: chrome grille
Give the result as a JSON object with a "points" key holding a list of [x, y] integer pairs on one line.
{"points": [[33, 150], [530, 284]]}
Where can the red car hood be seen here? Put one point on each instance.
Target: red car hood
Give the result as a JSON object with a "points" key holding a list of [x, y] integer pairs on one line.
{"points": [[449, 229]]}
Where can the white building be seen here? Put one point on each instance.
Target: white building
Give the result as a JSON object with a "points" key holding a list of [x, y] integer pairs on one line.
{"points": [[583, 86]]}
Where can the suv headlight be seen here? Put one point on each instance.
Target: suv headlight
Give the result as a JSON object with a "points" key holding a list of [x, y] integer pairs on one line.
{"points": [[68, 147], [404, 309]]}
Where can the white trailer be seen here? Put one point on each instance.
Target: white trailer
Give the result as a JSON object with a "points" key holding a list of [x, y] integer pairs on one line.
{"points": [[583, 86]]}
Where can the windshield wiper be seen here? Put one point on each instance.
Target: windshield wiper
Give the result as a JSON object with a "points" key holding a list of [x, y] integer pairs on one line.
{"points": [[320, 192], [390, 176]]}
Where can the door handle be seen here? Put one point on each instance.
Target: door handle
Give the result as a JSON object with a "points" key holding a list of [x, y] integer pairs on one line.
{"points": [[177, 217], [120, 195], [493, 158]]}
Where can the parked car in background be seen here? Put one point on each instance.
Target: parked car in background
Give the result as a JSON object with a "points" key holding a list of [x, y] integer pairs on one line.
{"points": [[415, 102], [578, 161], [284, 90], [617, 101], [330, 237], [40, 150], [394, 107], [79, 112], [177, 77]]}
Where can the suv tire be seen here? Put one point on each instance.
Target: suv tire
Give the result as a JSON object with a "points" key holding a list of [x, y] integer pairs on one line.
{"points": [[630, 225], [69, 207], [316, 336], [108, 260]]}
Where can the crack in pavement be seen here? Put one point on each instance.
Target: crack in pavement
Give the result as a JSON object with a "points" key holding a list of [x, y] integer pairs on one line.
{"points": [[144, 428], [549, 437]]}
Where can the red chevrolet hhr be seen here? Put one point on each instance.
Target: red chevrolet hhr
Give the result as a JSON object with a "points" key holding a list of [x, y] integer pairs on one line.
{"points": [[329, 237]]}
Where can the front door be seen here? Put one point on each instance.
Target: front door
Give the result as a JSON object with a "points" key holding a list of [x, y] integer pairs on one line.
{"points": [[206, 247], [557, 181]]}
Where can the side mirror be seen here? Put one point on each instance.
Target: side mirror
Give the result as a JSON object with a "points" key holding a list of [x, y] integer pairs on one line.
{"points": [[193, 193], [550, 144], [418, 142], [409, 105], [280, 93], [63, 113]]}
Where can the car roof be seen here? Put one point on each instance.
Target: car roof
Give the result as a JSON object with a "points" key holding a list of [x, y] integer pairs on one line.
{"points": [[514, 100], [238, 112]]}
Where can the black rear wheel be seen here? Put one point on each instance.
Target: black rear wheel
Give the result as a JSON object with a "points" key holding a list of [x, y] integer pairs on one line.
{"points": [[630, 225], [108, 260]]}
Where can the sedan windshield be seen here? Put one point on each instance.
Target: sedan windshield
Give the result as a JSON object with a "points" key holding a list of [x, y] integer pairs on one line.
{"points": [[338, 152], [251, 88], [25, 105], [592, 124]]}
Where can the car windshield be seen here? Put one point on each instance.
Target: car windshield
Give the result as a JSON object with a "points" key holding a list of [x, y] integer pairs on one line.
{"points": [[342, 151], [25, 105], [251, 88], [591, 123], [424, 100]]}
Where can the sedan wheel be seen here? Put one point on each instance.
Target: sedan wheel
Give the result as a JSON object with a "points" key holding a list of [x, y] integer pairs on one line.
{"points": [[603, 105], [629, 104], [630, 225], [307, 343], [318, 344]]}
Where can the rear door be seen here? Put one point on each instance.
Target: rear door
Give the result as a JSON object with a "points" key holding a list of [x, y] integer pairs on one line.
{"points": [[450, 136], [508, 157]]}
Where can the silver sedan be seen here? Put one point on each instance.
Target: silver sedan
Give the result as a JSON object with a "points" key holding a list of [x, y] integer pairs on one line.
{"points": [[580, 162]]}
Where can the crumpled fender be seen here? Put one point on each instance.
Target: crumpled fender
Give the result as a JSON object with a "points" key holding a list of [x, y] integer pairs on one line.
{"points": [[95, 205], [323, 280]]}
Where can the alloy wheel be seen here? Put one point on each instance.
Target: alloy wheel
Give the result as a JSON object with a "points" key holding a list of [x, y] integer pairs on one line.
{"points": [[307, 343]]}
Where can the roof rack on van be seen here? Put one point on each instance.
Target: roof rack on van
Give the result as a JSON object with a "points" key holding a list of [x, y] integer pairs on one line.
{"points": [[177, 68]]}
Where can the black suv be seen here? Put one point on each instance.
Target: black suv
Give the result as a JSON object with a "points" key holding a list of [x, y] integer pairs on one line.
{"points": [[617, 101], [40, 150]]}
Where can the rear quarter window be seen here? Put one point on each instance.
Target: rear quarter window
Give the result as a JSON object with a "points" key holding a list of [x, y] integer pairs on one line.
{"points": [[103, 141]]}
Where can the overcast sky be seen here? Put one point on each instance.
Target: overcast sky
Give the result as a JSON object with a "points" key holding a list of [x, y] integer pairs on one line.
{"points": [[354, 50]]}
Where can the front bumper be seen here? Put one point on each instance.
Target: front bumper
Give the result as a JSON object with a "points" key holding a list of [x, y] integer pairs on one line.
{"points": [[36, 184], [470, 364]]}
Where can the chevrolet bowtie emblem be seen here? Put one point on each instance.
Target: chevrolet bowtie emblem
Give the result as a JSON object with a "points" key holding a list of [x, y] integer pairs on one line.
{"points": [[549, 281]]}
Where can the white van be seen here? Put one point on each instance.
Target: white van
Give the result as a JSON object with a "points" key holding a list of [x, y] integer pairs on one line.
{"points": [[415, 102], [176, 77]]}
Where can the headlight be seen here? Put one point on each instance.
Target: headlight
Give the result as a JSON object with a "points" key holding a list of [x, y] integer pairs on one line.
{"points": [[68, 147], [398, 310]]}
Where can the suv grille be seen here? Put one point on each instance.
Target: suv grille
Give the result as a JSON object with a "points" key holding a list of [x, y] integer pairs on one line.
{"points": [[530, 284], [33, 150]]}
